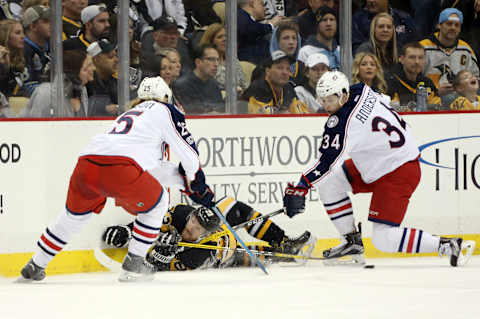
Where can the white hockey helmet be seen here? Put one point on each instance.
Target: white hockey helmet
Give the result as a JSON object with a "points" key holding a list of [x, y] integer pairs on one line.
{"points": [[332, 82], [154, 88]]}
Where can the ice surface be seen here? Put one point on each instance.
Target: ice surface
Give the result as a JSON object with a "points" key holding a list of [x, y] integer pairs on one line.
{"points": [[405, 288]]}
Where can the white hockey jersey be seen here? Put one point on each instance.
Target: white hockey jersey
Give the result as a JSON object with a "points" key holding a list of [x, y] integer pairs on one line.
{"points": [[143, 134], [369, 131]]}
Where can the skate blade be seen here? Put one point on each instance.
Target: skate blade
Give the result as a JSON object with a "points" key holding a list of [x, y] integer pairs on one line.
{"points": [[349, 260], [128, 276], [307, 250], [468, 246]]}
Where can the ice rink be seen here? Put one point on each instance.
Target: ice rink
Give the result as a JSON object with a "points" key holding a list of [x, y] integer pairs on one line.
{"points": [[396, 288]]}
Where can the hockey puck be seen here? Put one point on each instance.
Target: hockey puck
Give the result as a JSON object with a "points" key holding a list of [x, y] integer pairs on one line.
{"points": [[369, 266]]}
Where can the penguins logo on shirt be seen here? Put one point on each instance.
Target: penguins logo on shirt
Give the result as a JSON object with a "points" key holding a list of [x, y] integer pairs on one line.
{"points": [[332, 121]]}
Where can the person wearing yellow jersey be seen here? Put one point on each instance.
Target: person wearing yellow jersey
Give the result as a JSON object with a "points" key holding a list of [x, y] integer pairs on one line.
{"points": [[200, 225], [466, 86], [71, 20], [273, 94]]}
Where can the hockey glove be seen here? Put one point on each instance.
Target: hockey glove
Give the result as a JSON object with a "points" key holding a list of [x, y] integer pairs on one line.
{"points": [[294, 199], [197, 190], [165, 248], [117, 236]]}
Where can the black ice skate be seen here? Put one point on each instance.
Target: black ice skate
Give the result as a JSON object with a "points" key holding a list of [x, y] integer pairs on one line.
{"points": [[32, 271], [351, 246], [453, 247], [301, 245], [136, 268]]}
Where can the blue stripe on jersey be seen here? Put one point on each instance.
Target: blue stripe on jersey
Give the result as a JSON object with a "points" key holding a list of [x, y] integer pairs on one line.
{"points": [[179, 123], [55, 237], [46, 251], [338, 202], [381, 221], [75, 213], [340, 216], [419, 240], [146, 226], [142, 241], [400, 248]]}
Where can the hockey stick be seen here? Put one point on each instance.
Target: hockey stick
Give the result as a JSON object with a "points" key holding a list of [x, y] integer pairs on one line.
{"points": [[252, 256]]}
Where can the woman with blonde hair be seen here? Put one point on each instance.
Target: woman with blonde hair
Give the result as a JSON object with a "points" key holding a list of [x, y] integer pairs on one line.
{"points": [[382, 41], [367, 69], [216, 35], [12, 38]]}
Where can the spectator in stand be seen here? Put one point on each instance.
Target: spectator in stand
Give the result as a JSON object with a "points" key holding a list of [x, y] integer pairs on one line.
{"points": [[273, 94], [324, 41], [252, 35], [215, 35], [405, 77], [382, 41], [71, 18], [446, 54], [102, 91], [78, 68], [286, 38], [174, 58], [317, 64], [199, 14], [367, 69], [197, 91], [166, 71], [466, 86], [96, 26], [307, 19], [361, 21], [30, 3], [164, 35], [36, 22], [12, 38], [471, 21], [151, 10], [5, 110], [425, 13]]}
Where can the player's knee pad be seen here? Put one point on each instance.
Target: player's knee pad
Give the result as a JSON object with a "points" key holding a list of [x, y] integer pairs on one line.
{"points": [[239, 213], [333, 187], [384, 237]]}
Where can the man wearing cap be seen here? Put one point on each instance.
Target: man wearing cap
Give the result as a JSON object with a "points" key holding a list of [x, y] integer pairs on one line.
{"points": [[36, 23], [96, 26], [102, 91], [403, 22], [164, 35], [197, 90], [71, 18], [273, 94], [324, 40], [316, 65], [446, 54]]}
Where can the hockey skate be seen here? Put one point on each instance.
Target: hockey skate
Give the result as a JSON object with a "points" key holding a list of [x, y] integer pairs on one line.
{"points": [[454, 247], [301, 245], [32, 271], [349, 252], [136, 268]]}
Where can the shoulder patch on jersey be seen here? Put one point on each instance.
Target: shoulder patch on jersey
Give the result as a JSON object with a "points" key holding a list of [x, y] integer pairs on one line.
{"points": [[332, 121]]}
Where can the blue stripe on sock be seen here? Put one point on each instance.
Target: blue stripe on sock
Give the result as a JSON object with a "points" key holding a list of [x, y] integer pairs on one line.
{"points": [[335, 203], [143, 241], [343, 215], [55, 237], [419, 240], [146, 226], [400, 248], [46, 251]]}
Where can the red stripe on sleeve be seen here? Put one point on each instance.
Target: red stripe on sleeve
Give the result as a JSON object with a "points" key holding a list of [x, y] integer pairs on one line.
{"points": [[411, 239], [50, 244]]}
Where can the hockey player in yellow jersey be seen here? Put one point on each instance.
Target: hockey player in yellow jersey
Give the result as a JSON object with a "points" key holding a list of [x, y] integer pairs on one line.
{"points": [[199, 225]]}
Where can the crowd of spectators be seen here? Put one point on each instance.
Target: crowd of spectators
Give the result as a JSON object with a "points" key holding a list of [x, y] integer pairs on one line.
{"points": [[284, 46]]}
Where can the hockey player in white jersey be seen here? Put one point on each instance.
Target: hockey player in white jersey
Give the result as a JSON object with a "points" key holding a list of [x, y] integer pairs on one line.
{"points": [[123, 163], [384, 161]]}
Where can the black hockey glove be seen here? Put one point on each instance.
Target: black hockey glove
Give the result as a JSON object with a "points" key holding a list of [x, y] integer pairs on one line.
{"points": [[294, 199], [165, 249], [117, 236], [197, 190]]}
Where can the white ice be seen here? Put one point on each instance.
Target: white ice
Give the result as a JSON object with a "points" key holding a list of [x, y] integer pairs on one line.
{"points": [[405, 288]]}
